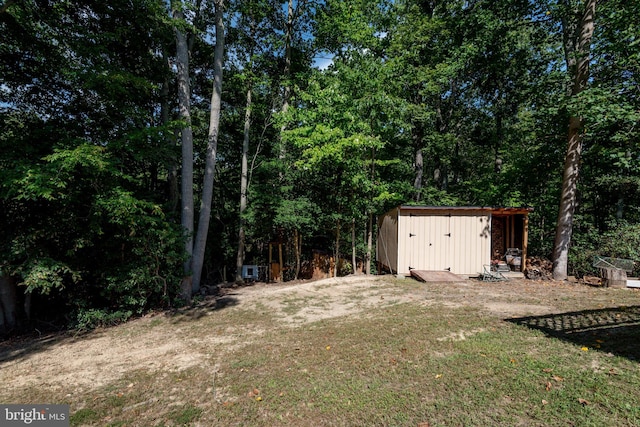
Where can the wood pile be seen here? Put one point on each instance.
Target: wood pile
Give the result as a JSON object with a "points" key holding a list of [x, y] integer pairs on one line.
{"points": [[497, 237], [538, 269], [320, 267]]}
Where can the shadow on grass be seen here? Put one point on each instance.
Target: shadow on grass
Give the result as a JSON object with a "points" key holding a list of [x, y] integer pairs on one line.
{"points": [[25, 345], [613, 330], [202, 308]]}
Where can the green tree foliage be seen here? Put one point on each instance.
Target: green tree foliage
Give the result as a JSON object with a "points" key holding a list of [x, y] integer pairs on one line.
{"points": [[612, 108], [82, 155], [440, 103]]}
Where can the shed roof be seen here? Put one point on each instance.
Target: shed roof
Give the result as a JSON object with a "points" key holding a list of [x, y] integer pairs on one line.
{"points": [[493, 209]]}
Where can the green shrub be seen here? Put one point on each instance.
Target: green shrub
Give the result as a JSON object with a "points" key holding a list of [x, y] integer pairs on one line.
{"points": [[87, 319], [77, 230], [621, 240]]}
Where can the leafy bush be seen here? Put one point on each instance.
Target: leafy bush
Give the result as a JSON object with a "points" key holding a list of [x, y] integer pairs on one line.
{"points": [[149, 249], [46, 274], [76, 229], [93, 318], [621, 240]]}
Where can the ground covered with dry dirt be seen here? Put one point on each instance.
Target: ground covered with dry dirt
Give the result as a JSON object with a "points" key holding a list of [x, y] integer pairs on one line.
{"points": [[166, 343], [91, 360]]}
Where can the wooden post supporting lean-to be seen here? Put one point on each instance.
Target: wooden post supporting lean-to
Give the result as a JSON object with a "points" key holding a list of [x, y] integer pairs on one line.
{"points": [[525, 239], [512, 231], [280, 260], [275, 268], [269, 265]]}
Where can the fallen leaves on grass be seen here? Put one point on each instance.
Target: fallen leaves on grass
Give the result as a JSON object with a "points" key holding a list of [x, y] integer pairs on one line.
{"points": [[583, 402]]}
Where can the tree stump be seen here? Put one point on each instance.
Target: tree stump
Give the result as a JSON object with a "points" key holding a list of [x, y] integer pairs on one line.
{"points": [[613, 277]]}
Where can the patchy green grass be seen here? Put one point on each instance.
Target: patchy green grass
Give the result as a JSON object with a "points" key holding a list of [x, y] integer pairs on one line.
{"points": [[445, 367], [186, 415], [293, 306], [400, 364], [84, 416]]}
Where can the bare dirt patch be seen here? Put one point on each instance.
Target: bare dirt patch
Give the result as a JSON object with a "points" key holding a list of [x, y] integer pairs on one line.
{"points": [[164, 343]]}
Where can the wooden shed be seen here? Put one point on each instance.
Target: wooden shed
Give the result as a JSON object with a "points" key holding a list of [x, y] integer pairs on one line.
{"points": [[457, 239]]}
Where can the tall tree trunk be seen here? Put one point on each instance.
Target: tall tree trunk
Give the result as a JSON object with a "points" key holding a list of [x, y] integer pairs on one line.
{"points": [[172, 170], [8, 304], [337, 254], [244, 175], [418, 161], [367, 258], [244, 172], [287, 57], [212, 148], [186, 188], [568, 197], [353, 245], [418, 168], [298, 244], [286, 74]]}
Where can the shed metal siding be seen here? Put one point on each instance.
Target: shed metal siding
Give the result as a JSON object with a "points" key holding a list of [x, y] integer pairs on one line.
{"points": [[458, 241], [387, 240]]}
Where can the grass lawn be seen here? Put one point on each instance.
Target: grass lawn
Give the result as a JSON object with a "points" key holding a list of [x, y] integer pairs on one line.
{"points": [[404, 354]]}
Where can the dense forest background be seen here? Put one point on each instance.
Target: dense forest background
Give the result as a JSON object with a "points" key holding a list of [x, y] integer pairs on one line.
{"points": [[148, 147]]}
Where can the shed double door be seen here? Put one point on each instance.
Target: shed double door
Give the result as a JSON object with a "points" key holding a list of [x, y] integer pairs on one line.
{"points": [[460, 244], [429, 243]]}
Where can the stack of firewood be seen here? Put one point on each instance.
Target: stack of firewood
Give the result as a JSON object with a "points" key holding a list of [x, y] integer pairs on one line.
{"points": [[538, 268]]}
